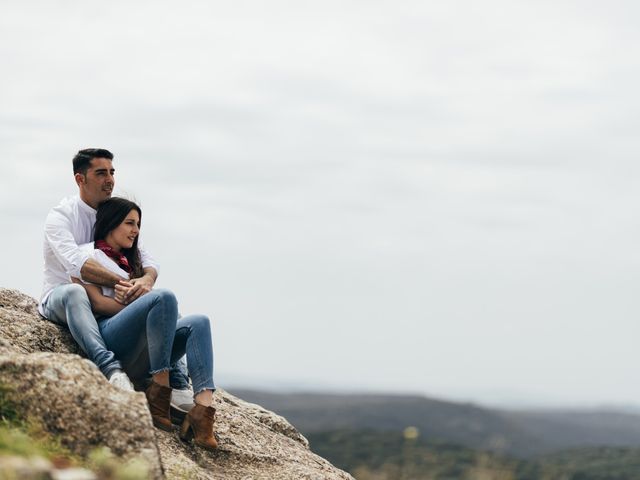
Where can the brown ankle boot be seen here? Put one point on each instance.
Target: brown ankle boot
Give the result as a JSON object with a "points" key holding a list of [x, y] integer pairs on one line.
{"points": [[159, 398], [198, 424]]}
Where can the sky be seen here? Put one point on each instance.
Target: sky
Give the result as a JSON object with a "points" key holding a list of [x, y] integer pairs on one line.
{"points": [[430, 197]]}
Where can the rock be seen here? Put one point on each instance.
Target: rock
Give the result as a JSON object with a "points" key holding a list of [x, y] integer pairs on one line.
{"points": [[51, 382], [72, 399], [254, 444], [24, 330]]}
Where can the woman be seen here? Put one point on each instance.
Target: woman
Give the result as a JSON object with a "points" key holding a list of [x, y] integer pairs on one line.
{"points": [[147, 335]]}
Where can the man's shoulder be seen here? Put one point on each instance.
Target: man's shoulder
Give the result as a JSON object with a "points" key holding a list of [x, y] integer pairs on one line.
{"points": [[68, 206], [69, 201]]}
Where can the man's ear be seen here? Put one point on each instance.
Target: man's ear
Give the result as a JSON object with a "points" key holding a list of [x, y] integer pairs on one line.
{"points": [[80, 178]]}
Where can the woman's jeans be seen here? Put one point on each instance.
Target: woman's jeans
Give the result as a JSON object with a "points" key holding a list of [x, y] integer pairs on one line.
{"points": [[147, 337]]}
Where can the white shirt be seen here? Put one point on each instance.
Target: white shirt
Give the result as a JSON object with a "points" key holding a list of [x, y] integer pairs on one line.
{"points": [[69, 225]]}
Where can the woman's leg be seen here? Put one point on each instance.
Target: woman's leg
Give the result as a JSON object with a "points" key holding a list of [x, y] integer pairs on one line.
{"points": [[205, 397], [149, 322], [193, 336]]}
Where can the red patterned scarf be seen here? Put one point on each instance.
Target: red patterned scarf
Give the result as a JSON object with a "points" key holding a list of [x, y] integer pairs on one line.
{"points": [[117, 257]]}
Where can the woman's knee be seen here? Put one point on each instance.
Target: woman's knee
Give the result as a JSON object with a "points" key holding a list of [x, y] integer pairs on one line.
{"points": [[164, 295], [200, 324]]}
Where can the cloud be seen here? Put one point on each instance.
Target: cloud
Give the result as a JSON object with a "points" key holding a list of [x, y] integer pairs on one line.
{"points": [[432, 181]]}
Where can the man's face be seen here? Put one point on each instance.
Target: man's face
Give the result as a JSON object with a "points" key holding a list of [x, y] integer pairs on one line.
{"points": [[97, 185]]}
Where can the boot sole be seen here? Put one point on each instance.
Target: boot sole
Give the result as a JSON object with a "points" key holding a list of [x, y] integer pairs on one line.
{"points": [[206, 447], [189, 438], [162, 426]]}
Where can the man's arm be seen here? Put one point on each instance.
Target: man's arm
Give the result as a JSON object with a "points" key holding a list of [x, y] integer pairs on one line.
{"points": [[93, 272], [59, 239], [77, 262], [151, 273]]}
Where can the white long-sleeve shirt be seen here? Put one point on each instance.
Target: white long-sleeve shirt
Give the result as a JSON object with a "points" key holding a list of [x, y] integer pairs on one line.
{"points": [[69, 225]]}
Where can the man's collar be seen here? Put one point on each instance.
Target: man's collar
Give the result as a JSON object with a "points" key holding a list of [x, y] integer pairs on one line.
{"points": [[85, 206]]}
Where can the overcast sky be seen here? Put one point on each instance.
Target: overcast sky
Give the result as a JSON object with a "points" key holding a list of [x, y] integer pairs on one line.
{"points": [[432, 197]]}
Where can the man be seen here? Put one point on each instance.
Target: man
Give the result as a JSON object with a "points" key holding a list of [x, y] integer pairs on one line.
{"points": [[68, 225]]}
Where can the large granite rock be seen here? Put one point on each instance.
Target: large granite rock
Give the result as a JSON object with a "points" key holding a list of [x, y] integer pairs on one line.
{"points": [[71, 399], [49, 381]]}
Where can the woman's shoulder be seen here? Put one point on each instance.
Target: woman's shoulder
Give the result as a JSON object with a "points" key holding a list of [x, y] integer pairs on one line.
{"points": [[103, 259]]}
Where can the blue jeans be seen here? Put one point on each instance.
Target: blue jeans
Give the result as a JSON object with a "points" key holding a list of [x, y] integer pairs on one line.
{"points": [[69, 305], [178, 377], [148, 338]]}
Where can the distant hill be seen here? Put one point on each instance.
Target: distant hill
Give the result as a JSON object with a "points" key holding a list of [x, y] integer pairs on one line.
{"points": [[374, 455], [523, 434], [562, 429]]}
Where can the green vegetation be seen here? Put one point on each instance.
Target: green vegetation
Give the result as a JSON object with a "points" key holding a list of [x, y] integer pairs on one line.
{"points": [[108, 466], [603, 463], [27, 438], [519, 434], [376, 455]]}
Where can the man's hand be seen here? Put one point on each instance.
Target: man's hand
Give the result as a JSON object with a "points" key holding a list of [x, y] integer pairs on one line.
{"points": [[127, 292], [141, 286]]}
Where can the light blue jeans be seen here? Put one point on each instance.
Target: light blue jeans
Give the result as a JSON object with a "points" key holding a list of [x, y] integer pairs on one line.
{"points": [[148, 338], [69, 305]]}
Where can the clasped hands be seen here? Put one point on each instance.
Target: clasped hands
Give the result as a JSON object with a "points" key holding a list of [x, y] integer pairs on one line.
{"points": [[129, 290]]}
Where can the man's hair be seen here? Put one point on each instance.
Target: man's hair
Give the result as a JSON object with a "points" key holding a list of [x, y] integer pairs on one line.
{"points": [[82, 160]]}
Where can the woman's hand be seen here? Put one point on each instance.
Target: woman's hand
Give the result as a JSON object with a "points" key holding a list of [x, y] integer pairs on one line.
{"points": [[128, 291], [121, 288]]}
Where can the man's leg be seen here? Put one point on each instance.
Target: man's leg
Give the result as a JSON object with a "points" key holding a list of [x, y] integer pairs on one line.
{"points": [[182, 394], [69, 305], [178, 376]]}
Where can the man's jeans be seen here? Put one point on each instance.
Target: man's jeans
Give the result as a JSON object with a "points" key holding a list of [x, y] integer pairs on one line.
{"points": [[178, 377], [69, 305], [148, 337]]}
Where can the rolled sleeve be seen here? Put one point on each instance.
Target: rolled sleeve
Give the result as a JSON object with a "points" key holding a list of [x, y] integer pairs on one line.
{"points": [[61, 242]]}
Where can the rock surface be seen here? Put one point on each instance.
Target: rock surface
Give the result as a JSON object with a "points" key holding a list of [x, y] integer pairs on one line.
{"points": [[41, 365], [71, 398]]}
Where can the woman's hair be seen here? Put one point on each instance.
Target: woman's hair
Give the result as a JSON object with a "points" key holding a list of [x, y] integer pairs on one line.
{"points": [[112, 213]]}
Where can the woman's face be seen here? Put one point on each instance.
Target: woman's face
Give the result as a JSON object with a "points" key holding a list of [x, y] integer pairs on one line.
{"points": [[124, 234]]}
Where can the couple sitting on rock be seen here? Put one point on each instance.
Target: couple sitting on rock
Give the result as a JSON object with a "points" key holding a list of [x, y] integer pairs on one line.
{"points": [[98, 280]]}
